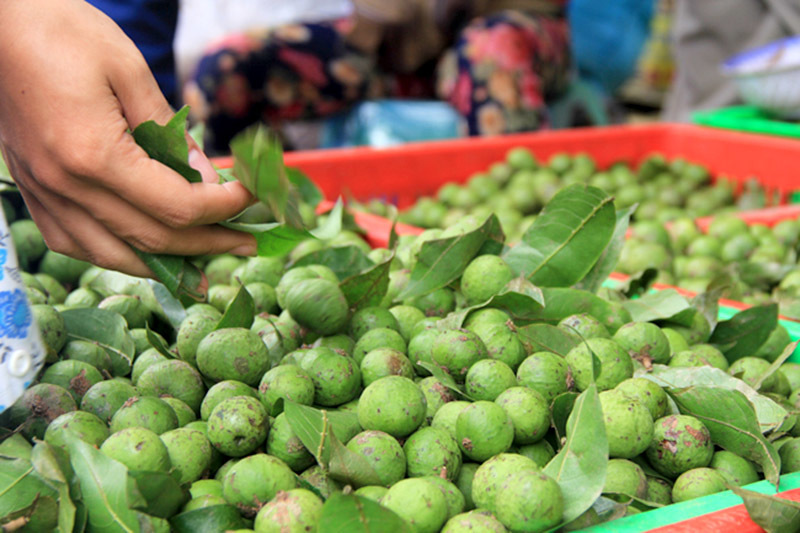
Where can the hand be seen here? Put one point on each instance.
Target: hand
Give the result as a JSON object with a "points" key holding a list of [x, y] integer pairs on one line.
{"points": [[72, 85]]}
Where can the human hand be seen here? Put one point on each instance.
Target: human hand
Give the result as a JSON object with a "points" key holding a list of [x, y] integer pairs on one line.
{"points": [[72, 86]]}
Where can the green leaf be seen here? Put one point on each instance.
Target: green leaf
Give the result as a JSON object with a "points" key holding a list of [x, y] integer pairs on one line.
{"points": [[167, 144], [308, 190], [158, 343], [520, 298], [103, 483], [602, 510], [333, 223], [208, 520], [48, 466], [367, 288], [349, 467], [579, 468], [731, 420], [345, 261], [707, 303], [105, 328], [348, 513], [769, 414], [179, 276], [560, 303], [660, 305], [560, 411], [162, 495], [639, 283], [20, 486], [547, 338], [745, 332], [151, 524], [771, 512], [566, 239], [309, 426], [610, 256], [240, 312], [442, 261], [15, 446], [170, 307], [776, 364], [444, 378]]}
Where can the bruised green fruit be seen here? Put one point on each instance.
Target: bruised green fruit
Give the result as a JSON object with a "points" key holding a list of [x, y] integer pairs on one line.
{"points": [[56, 293], [81, 424], [238, 425], [254, 480], [222, 391], [138, 448], [105, 398], [336, 377], [292, 511], [372, 492], [88, 352], [289, 382], [75, 376], [456, 350], [490, 475], [485, 317], [647, 393], [135, 313], [369, 318], [436, 395], [233, 353], [183, 412], [700, 355], [264, 298], [318, 305], [629, 425], [584, 325], [296, 275], [284, 444], [147, 412], [659, 491], [680, 443], [174, 378], [529, 500], [644, 342], [453, 498], [82, 297], [261, 269], [339, 342], [547, 373], [697, 333], [220, 296], [483, 277], [192, 330], [624, 480], [383, 362], [477, 521], [407, 318], [431, 451], [502, 342], [394, 405], [734, 468], [488, 378], [696, 483], [540, 452], [189, 453], [378, 338], [483, 429], [447, 415], [750, 370], [383, 453], [145, 360], [528, 411], [321, 481], [419, 502], [616, 364], [435, 303], [51, 325], [220, 268]]}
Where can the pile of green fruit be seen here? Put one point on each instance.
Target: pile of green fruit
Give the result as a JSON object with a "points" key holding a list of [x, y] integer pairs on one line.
{"points": [[449, 383], [516, 189]]}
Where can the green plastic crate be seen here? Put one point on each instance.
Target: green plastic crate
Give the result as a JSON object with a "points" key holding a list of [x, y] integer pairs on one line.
{"points": [[746, 118]]}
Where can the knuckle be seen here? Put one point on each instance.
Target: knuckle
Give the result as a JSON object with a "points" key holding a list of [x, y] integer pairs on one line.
{"points": [[179, 215], [148, 241]]}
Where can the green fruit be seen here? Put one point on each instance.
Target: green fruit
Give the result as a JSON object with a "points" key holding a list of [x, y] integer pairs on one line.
{"points": [[431, 451], [293, 511], [264, 298], [484, 277], [85, 426], [284, 444], [546, 373], [105, 398], [734, 468], [790, 456], [419, 349], [624, 479], [700, 355], [264, 269], [407, 318], [321, 481], [372, 492], [616, 364], [629, 425], [238, 425], [791, 371], [658, 491], [38, 406], [370, 318], [540, 453], [419, 502], [383, 362], [174, 378], [502, 342], [51, 325], [189, 453], [644, 342], [147, 412], [677, 343], [447, 415], [521, 157], [528, 411], [82, 297], [289, 382], [254, 480], [336, 377], [490, 475], [394, 405], [488, 378], [192, 330], [378, 338], [436, 395], [233, 353], [145, 360], [529, 500], [751, 369], [206, 487], [483, 429], [183, 412], [222, 391], [137, 448], [135, 313], [435, 303], [584, 325], [319, 305], [56, 293], [383, 453], [219, 269], [87, 352], [28, 242], [456, 350], [646, 393], [680, 443], [201, 502], [452, 495], [474, 521], [696, 483], [340, 342], [772, 348], [75, 376]]}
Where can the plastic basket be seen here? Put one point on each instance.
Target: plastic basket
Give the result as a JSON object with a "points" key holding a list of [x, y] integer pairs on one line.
{"points": [[746, 118]]}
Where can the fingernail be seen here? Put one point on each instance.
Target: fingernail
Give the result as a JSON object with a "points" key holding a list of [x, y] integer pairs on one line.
{"points": [[199, 162], [244, 249]]}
